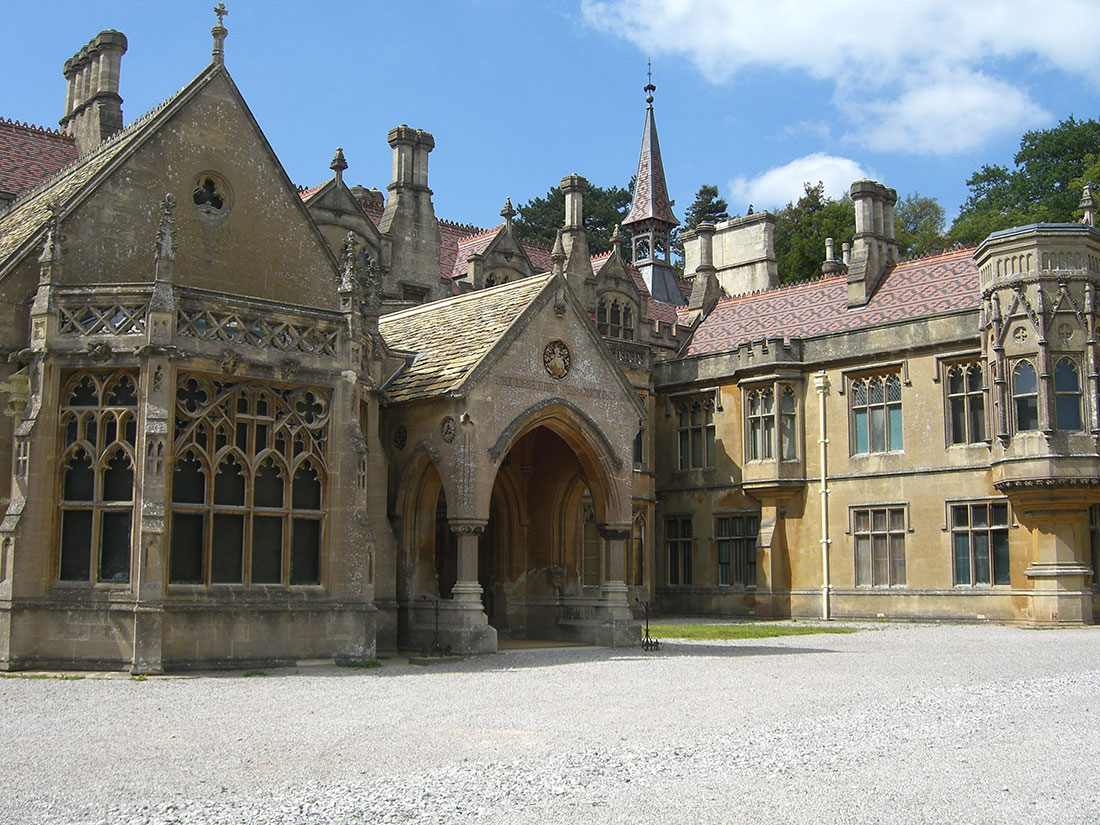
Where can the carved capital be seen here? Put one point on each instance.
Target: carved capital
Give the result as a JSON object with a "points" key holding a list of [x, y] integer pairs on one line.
{"points": [[467, 528], [613, 533]]}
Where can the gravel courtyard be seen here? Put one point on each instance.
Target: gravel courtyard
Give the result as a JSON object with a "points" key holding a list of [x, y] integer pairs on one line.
{"points": [[893, 724]]}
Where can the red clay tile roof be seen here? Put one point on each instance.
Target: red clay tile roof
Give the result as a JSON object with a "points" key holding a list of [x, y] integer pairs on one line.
{"points": [[914, 289], [471, 245], [450, 234], [650, 192], [539, 255], [660, 311], [30, 154]]}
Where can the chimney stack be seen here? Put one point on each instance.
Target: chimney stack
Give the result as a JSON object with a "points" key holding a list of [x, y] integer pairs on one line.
{"points": [[408, 222], [93, 107], [874, 248], [578, 263]]}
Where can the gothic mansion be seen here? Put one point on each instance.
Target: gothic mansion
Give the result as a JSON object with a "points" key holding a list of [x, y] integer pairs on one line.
{"points": [[250, 424]]}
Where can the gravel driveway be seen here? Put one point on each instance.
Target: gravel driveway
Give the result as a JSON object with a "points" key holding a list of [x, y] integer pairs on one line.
{"points": [[894, 724]]}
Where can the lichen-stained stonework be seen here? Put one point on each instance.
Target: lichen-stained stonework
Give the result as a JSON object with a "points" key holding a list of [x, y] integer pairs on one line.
{"points": [[252, 423]]}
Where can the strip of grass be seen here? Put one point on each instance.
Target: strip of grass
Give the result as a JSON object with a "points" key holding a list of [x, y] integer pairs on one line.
{"points": [[738, 631]]}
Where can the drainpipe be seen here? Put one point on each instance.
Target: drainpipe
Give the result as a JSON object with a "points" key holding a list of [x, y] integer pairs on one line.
{"points": [[821, 384]]}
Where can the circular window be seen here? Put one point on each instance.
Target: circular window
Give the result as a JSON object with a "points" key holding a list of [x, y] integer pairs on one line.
{"points": [[211, 195]]}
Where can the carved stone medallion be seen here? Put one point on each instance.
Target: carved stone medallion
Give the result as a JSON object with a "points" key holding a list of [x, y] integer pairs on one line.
{"points": [[448, 429], [1020, 334], [1065, 332], [400, 437], [557, 359]]}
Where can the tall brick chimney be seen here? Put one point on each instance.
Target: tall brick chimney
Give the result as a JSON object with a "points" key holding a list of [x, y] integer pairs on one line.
{"points": [[93, 107]]}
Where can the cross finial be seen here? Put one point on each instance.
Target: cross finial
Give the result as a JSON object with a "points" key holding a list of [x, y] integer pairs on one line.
{"points": [[219, 32]]}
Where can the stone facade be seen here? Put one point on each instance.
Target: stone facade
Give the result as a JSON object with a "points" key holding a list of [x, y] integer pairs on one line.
{"points": [[256, 424]]}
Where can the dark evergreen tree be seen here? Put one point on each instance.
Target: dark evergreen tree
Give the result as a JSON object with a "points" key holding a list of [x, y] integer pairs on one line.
{"points": [[1044, 186], [540, 218], [801, 230]]}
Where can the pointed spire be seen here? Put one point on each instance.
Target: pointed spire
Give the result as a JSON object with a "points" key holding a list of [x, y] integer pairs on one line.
{"points": [[51, 247], [166, 230], [1088, 205], [338, 164], [651, 201], [617, 241], [508, 212], [347, 261], [557, 255], [219, 32]]}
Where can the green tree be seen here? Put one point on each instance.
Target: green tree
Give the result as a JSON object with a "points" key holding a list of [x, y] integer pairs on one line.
{"points": [[1044, 185], [707, 206], [919, 225], [540, 218], [801, 230]]}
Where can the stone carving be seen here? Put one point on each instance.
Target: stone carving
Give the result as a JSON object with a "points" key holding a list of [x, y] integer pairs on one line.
{"points": [[1020, 334], [557, 359], [99, 352], [253, 331], [400, 437], [109, 319], [448, 429], [230, 361]]}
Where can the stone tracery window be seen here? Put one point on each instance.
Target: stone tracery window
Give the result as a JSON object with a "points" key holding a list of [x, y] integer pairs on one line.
{"points": [[1067, 396], [98, 433], [876, 414], [615, 319], [966, 403], [695, 431], [248, 487], [1025, 397]]}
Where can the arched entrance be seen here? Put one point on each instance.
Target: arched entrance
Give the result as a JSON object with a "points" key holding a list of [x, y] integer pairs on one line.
{"points": [[534, 547]]}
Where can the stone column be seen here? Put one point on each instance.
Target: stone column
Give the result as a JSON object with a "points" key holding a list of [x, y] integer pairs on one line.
{"points": [[617, 627], [462, 620], [467, 588]]}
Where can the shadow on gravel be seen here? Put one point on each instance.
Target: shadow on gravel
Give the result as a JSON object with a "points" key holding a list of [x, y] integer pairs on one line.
{"points": [[557, 657]]}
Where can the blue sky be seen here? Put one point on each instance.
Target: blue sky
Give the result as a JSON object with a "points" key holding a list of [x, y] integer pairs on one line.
{"points": [[754, 97]]}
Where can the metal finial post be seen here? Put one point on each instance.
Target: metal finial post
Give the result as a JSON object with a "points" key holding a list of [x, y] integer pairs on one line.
{"points": [[649, 87]]}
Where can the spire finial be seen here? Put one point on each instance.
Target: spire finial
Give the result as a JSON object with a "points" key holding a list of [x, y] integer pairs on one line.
{"points": [[1088, 205], [219, 32], [649, 87], [338, 164], [508, 212], [617, 240]]}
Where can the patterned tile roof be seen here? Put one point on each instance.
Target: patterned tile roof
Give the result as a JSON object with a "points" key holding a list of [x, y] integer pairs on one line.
{"points": [[452, 336], [650, 191], [450, 234], [28, 216], [920, 288], [30, 154], [470, 245]]}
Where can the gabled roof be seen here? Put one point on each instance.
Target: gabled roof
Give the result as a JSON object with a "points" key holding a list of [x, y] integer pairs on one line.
{"points": [[922, 288], [30, 154], [651, 200], [28, 216], [451, 337]]}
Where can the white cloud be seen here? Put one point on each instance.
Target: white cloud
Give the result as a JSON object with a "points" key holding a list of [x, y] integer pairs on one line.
{"points": [[880, 57], [775, 188]]}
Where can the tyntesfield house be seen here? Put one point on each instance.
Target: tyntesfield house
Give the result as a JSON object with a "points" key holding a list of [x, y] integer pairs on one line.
{"points": [[254, 423]]}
